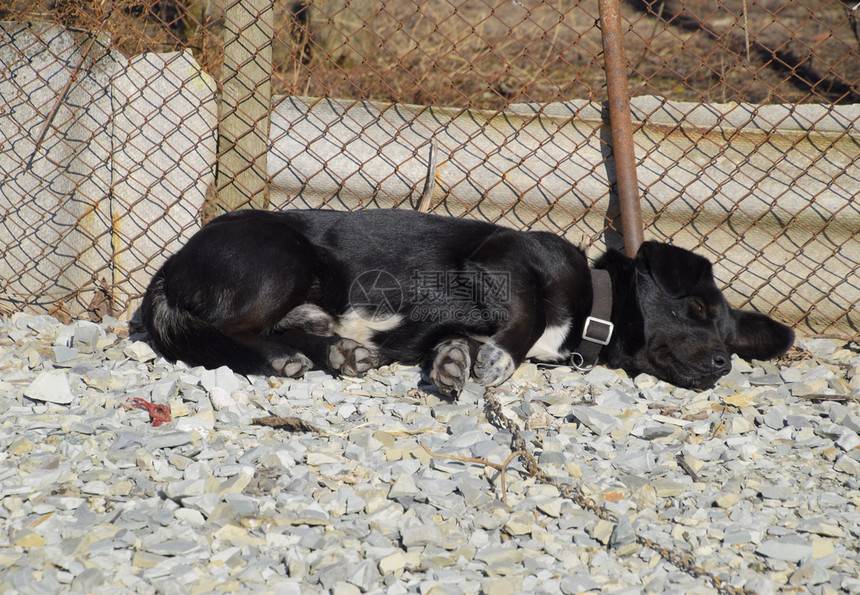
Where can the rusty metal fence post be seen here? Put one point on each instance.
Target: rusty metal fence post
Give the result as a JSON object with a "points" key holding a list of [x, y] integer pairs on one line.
{"points": [[622, 126]]}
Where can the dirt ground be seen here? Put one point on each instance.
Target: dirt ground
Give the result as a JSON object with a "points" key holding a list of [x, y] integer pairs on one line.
{"points": [[489, 53]]}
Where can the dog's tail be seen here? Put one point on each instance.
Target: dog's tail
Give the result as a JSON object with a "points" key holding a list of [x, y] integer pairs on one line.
{"points": [[180, 335]]}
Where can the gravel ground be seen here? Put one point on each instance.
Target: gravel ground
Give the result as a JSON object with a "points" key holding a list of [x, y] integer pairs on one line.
{"points": [[755, 483]]}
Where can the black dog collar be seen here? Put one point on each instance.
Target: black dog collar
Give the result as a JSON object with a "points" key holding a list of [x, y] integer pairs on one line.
{"points": [[598, 328]]}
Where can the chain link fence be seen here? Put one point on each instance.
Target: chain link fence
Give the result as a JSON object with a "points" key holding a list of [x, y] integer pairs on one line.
{"points": [[126, 124]]}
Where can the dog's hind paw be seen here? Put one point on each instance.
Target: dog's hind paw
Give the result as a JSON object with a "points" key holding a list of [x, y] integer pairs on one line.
{"points": [[350, 358], [451, 366], [308, 318], [292, 366], [493, 365]]}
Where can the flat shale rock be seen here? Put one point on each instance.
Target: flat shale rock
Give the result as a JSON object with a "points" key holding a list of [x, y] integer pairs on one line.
{"points": [[374, 487]]}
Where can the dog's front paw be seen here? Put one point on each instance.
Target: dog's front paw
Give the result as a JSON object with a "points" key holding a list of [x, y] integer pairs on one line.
{"points": [[493, 365], [451, 366], [350, 358], [292, 366]]}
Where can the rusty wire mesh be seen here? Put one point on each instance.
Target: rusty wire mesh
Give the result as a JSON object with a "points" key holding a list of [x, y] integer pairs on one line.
{"points": [[495, 109]]}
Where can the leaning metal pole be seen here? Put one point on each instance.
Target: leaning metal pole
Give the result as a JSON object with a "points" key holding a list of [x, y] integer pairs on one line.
{"points": [[621, 125]]}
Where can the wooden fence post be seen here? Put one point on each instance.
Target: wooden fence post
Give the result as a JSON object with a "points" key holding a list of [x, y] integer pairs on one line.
{"points": [[246, 97]]}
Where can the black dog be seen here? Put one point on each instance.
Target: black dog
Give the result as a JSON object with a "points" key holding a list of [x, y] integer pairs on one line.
{"points": [[278, 293]]}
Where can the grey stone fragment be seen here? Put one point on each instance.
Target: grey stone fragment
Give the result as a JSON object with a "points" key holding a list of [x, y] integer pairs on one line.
{"points": [[228, 470], [809, 574], [50, 386], [577, 583], [168, 440], [88, 580], [139, 352], [761, 585], [848, 465], [638, 462], [657, 431], [342, 588], [623, 533], [63, 355], [185, 488], [472, 392], [789, 548], [365, 575], [223, 378], [81, 428], [799, 421], [65, 336], [596, 421], [832, 431], [774, 419], [551, 457], [127, 440], [404, 486], [421, 534], [466, 439], [765, 379], [481, 449], [848, 440], [175, 547], [163, 390], [851, 421], [204, 503], [775, 492], [332, 574], [435, 487], [601, 376], [500, 556], [474, 491], [86, 336], [820, 347], [737, 537]]}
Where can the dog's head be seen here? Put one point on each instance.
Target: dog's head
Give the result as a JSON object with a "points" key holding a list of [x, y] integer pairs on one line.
{"points": [[689, 329]]}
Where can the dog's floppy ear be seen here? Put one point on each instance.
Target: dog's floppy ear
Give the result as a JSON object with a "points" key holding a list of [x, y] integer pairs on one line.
{"points": [[675, 270], [757, 336]]}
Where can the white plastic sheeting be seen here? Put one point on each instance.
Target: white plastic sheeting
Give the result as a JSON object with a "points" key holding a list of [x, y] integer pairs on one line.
{"points": [[769, 192], [104, 166]]}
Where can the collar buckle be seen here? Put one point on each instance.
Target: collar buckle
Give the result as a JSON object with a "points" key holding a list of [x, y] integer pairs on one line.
{"points": [[598, 330]]}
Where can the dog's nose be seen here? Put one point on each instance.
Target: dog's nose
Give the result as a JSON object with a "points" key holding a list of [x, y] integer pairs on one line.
{"points": [[721, 361]]}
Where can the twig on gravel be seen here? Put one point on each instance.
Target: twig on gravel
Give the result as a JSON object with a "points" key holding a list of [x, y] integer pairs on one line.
{"points": [[665, 409], [687, 469], [835, 398], [292, 424], [432, 430], [501, 467]]}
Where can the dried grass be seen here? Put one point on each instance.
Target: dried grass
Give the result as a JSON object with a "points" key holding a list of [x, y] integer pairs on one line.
{"points": [[490, 53]]}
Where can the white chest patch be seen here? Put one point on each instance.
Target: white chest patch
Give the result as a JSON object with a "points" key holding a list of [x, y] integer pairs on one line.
{"points": [[361, 326], [547, 347]]}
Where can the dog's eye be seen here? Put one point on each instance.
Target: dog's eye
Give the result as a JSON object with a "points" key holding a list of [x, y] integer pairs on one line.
{"points": [[697, 308]]}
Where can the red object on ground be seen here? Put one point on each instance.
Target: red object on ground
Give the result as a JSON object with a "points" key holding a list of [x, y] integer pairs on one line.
{"points": [[158, 414]]}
